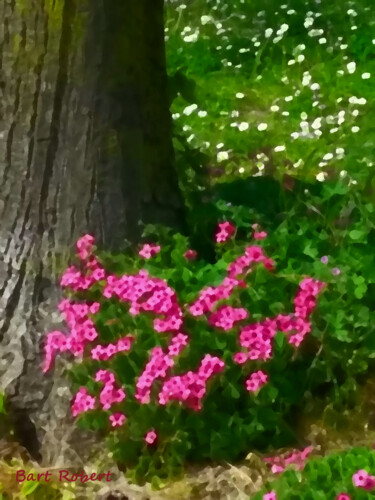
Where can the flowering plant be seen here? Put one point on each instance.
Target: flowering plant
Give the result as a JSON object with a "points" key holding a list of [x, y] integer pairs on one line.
{"points": [[344, 475], [195, 375]]}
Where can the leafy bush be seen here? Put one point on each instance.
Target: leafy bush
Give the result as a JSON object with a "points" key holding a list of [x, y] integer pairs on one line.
{"points": [[230, 421], [326, 478]]}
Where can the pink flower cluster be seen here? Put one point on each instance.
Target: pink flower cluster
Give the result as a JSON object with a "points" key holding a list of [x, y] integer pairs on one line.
{"points": [[82, 402], [296, 458], [256, 381], [158, 367], [110, 393], [147, 294], [73, 277], [257, 337], [105, 352], [190, 387], [252, 255], [225, 231], [211, 295], [363, 480], [343, 496], [148, 251], [82, 331], [226, 316], [85, 246]]}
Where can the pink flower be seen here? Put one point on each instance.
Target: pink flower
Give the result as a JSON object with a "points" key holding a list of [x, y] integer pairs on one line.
{"points": [[270, 496], [151, 437], [82, 402], [117, 419], [343, 496], [363, 480], [148, 251], [190, 254], [324, 259], [224, 232], [256, 381], [240, 358], [84, 246], [336, 271], [260, 236]]}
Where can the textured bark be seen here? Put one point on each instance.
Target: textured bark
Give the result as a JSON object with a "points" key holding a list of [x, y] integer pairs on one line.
{"points": [[85, 146]]}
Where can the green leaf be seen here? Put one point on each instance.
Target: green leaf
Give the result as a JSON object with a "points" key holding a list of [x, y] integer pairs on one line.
{"points": [[28, 487], [357, 234], [360, 291]]}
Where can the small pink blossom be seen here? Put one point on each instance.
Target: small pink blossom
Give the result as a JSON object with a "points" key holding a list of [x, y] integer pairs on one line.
{"points": [[336, 271], [148, 251], [190, 254], [151, 437], [324, 259], [117, 419], [225, 231], [260, 236], [270, 496], [240, 358], [343, 496]]}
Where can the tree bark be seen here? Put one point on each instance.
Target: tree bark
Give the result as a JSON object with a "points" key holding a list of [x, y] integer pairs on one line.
{"points": [[85, 147]]}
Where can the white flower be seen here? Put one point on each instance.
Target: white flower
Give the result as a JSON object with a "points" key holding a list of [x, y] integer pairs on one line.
{"points": [[291, 62], [222, 155], [355, 129], [322, 41], [316, 124], [328, 156], [300, 58], [191, 38], [351, 67], [189, 109], [279, 148], [321, 176], [241, 170], [262, 126], [309, 21], [220, 145], [366, 76], [306, 79], [202, 114], [243, 126], [315, 86], [240, 95], [268, 32], [274, 108], [289, 98], [205, 19], [340, 151]]}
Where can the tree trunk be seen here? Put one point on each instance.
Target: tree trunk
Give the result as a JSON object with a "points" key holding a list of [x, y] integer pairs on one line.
{"points": [[86, 147]]}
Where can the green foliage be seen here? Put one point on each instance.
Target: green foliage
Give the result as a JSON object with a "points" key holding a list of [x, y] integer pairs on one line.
{"points": [[324, 477], [247, 56]]}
